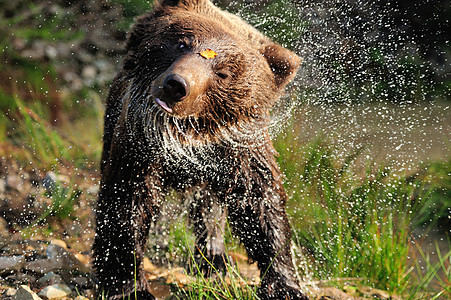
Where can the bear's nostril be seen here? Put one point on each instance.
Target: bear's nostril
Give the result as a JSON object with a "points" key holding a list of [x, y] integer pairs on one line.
{"points": [[175, 87]]}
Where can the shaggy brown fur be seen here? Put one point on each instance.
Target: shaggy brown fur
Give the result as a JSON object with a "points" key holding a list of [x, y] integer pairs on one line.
{"points": [[176, 120]]}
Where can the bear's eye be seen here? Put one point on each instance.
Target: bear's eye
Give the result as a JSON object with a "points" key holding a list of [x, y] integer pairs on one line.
{"points": [[182, 45], [222, 75]]}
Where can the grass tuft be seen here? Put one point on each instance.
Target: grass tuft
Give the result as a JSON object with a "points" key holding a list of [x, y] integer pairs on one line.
{"points": [[233, 286], [433, 281], [351, 226]]}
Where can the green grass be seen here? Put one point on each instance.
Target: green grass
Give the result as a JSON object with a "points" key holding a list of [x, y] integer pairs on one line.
{"points": [[234, 286], [39, 142], [434, 281], [352, 226], [63, 201]]}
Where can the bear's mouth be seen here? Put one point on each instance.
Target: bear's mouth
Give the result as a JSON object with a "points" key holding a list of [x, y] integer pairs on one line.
{"points": [[163, 105]]}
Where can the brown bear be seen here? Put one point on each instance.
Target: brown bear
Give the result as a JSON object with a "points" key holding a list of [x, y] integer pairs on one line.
{"points": [[189, 111]]}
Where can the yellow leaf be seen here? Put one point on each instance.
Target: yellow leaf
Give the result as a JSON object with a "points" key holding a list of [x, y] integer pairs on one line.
{"points": [[208, 54]]}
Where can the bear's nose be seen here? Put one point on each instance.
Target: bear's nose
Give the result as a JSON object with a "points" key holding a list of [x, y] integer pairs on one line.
{"points": [[175, 87]]}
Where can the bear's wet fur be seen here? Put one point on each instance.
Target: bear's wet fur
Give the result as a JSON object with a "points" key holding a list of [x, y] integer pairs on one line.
{"points": [[189, 111]]}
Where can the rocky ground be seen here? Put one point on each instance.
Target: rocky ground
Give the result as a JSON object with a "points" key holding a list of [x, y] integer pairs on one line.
{"points": [[51, 259]]}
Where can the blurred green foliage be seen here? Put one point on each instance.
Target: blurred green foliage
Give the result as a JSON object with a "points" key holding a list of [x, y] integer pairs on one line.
{"points": [[278, 19], [436, 212], [130, 10]]}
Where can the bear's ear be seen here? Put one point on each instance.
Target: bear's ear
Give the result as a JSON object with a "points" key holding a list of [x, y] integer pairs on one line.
{"points": [[283, 62]]}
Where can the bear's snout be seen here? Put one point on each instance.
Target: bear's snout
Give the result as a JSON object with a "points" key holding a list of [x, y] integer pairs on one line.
{"points": [[175, 88], [178, 90]]}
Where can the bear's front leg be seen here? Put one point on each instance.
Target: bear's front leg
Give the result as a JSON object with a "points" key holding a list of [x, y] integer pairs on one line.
{"points": [[209, 219], [261, 222], [123, 216]]}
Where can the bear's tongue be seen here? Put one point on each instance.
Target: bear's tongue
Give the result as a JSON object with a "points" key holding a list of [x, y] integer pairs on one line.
{"points": [[164, 105]]}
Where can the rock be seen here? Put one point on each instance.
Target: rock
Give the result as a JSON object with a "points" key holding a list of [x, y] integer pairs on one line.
{"points": [[74, 228], [90, 294], [22, 278], [25, 293], [81, 298], [50, 278], [36, 52], [55, 251], [81, 282], [85, 259], [102, 64], [2, 186], [55, 291], [11, 263], [89, 72], [65, 258], [28, 248], [42, 266], [63, 50], [148, 266], [15, 248], [334, 293], [50, 51], [178, 276], [93, 190], [374, 293], [16, 182], [60, 243], [10, 292], [4, 233], [84, 56]]}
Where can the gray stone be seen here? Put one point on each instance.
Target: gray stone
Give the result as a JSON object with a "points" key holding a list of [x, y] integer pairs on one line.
{"points": [[89, 72], [55, 251], [25, 293], [51, 51], [50, 278], [36, 52], [23, 278], [42, 266], [67, 260], [93, 190], [81, 282], [11, 263], [55, 291]]}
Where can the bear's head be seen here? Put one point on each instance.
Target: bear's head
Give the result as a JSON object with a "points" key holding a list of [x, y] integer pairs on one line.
{"points": [[189, 60]]}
